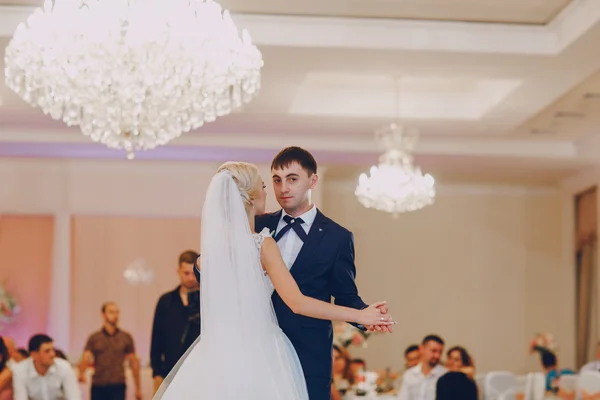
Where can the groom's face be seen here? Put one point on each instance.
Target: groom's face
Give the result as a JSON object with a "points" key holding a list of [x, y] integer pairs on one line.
{"points": [[292, 186]]}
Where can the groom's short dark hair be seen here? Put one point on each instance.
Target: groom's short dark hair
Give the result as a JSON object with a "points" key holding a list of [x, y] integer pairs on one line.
{"points": [[294, 154]]}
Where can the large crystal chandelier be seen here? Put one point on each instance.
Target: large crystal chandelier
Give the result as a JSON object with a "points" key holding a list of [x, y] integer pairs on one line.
{"points": [[396, 185], [133, 74]]}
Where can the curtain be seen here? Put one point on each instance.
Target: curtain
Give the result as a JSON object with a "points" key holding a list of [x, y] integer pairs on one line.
{"points": [[586, 299], [586, 276]]}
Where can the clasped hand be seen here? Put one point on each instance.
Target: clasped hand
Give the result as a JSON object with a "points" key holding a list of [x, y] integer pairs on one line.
{"points": [[377, 319]]}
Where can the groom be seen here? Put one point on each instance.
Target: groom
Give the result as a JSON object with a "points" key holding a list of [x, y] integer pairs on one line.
{"points": [[320, 256]]}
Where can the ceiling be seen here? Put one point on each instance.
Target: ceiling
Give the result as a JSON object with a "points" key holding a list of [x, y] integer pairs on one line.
{"points": [[496, 91], [505, 11]]}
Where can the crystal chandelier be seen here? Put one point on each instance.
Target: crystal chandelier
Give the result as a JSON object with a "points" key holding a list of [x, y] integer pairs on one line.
{"points": [[133, 74], [396, 185]]}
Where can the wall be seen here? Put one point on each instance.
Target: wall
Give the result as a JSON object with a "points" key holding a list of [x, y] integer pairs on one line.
{"points": [[92, 204], [483, 267]]}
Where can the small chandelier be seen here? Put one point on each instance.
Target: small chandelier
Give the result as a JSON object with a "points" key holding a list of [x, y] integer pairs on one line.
{"points": [[396, 185], [138, 273], [133, 74]]}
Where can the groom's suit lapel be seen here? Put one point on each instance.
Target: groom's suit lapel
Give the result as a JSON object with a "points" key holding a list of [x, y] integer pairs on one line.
{"points": [[315, 234]]}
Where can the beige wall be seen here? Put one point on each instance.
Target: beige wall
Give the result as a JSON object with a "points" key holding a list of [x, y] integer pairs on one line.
{"points": [[110, 187], [483, 267]]}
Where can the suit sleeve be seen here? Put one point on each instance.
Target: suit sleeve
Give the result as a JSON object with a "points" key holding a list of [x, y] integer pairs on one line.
{"points": [[157, 342], [343, 287]]}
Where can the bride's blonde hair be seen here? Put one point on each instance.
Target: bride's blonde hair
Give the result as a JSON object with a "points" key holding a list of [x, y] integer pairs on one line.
{"points": [[246, 178]]}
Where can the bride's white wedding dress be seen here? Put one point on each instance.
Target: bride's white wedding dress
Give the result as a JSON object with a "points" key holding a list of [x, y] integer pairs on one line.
{"points": [[241, 353]]}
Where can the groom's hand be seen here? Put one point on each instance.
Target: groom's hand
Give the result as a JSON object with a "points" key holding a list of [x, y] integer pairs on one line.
{"points": [[381, 328]]}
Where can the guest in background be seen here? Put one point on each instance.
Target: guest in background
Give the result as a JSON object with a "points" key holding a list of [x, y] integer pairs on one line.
{"points": [[13, 354], [412, 356], [356, 365], [593, 365], [419, 382], [455, 386], [343, 378], [459, 360], [109, 348], [20, 355], [176, 320], [61, 354], [6, 391], [43, 376], [552, 372]]}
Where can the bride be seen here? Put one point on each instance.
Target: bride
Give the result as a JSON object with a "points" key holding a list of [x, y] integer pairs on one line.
{"points": [[241, 352]]}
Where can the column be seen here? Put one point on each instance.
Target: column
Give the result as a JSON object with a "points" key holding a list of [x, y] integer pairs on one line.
{"points": [[59, 318]]}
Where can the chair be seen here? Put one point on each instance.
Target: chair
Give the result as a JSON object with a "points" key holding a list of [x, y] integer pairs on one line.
{"points": [[480, 382], [500, 385], [521, 388], [588, 384], [568, 386]]}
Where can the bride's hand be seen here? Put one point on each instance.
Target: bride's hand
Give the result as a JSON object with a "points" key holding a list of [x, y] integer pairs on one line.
{"points": [[372, 315]]}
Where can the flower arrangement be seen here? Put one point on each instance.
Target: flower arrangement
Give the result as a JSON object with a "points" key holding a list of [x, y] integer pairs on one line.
{"points": [[543, 342], [346, 335], [8, 306]]}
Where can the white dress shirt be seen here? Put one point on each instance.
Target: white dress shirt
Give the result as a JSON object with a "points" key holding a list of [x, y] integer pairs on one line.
{"points": [[416, 386], [591, 366], [290, 244], [59, 383], [11, 363]]}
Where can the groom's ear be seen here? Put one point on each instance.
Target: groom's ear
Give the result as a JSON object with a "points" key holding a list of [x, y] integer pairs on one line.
{"points": [[313, 180]]}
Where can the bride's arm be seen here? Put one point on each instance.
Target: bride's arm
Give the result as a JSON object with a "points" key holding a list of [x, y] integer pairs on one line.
{"points": [[288, 290]]}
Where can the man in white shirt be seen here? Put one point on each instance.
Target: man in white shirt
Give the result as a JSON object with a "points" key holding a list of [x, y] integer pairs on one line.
{"points": [[43, 376], [419, 382], [593, 365], [412, 356]]}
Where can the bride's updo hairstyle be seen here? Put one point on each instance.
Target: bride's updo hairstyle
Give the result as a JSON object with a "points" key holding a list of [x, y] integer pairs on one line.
{"points": [[246, 177]]}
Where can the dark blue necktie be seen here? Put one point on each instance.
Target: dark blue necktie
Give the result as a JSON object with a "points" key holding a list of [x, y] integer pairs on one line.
{"points": [[292, 223]]}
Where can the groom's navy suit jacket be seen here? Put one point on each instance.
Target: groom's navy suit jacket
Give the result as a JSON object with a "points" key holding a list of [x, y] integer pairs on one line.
{"points": [[323, 269]]}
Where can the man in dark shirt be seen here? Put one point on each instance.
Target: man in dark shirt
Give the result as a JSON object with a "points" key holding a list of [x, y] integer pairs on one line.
{"points": [[176, 320], [108, 349]]}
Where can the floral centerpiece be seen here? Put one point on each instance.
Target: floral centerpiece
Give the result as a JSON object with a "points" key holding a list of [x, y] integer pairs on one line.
{"points": [[346, 335], [542, 342], [8, 306]]}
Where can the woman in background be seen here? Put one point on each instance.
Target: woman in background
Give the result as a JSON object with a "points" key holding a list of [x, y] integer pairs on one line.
{"points": [[459, 360], [343, 378]]}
